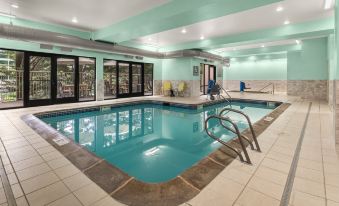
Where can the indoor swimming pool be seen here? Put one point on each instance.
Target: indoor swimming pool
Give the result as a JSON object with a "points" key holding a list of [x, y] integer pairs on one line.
{"points": [[151, 142]]}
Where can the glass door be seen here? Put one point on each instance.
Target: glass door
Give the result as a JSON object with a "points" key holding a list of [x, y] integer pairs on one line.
{"points": [[137, 79], [66, 90], [50, 79], [130, 79], [38, 80], [123, 79]]}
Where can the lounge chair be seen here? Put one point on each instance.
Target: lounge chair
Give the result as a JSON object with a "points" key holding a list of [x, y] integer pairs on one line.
{"points": [[181, 89], [166, 88]]}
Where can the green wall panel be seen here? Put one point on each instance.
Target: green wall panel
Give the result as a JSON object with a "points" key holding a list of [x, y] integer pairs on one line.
{"points": [[275, 69], [311, 63]]}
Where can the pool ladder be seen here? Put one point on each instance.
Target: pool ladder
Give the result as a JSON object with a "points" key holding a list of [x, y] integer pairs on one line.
{"points": [[241, 138]]}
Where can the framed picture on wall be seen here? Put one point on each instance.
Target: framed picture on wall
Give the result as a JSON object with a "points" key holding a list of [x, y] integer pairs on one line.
{"points": [[195, 70]]}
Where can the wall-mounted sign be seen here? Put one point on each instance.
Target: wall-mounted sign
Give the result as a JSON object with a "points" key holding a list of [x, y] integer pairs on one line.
{"points": [[195, 70]]}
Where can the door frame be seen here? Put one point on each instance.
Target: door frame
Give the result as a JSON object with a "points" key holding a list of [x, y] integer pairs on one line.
{"points": [[53, 90], [130, 94], [209, 75], [76, 80]]}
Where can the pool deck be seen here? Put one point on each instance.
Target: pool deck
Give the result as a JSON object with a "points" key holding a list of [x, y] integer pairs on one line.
{"points": [[40, 175]]}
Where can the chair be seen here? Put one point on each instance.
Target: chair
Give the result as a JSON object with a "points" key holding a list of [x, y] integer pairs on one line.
{"points": [[166, 87], [181, 89]]}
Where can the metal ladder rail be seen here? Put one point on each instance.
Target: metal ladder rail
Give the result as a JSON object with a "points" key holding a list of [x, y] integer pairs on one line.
{"points": [[254, 137], [248, 160], [232, 130], [260, 90]]}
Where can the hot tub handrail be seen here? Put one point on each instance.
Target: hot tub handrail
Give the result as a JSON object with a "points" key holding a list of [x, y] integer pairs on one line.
{"points": [[254, 137], [223, 142]]}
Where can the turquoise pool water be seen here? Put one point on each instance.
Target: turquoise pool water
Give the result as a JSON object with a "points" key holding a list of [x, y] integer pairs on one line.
{"points": [[152, 143]]}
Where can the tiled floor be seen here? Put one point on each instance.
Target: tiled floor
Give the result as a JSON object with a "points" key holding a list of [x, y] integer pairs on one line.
{"points": [[40, 175]]}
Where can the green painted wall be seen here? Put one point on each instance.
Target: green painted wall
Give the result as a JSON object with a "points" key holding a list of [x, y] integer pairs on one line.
{"points": [[177, 69], [275, 69], [311, 63]]}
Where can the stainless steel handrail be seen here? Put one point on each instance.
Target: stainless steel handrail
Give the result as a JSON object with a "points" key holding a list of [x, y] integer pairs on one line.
{"points": [[254, 137], [260, 90], [248, 160], [232, 130]]}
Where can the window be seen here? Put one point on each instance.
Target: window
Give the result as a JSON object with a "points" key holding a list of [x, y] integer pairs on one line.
{"points": [[110, 79], [86, 79], [11, 78], [148, 79]]}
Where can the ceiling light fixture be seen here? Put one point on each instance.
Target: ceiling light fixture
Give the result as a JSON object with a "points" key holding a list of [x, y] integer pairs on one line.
{"points": [[202, 38], [286, 22], [7, 15], [262, 46], [184, 31], [75, 20], [280, 8], [15, 6], [328, 4], [297, 41]]}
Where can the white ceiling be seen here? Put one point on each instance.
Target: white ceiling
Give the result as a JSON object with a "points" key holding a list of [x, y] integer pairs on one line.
{"points": [[253, 46], [91, 14], [295, 11]]}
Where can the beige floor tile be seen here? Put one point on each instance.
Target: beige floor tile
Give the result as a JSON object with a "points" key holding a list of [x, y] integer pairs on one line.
{"points": [[51, 156], [48, 194], [226, 188], [271, 175], [69, 200], [310, 174], [12, 179], [66, 171], [17, 191], [250, 197], [332, 203], [27, 163], [331, 168], [276, 165], [236, 175], [304, 199], [209, 197], [332, 193], [21, 201], [33, 171], [266, 187], [280, 157], [39, 182], [310, 187], [89, 194], [2, 196], [57, 163], [314, 165], [46, 149], [77, 181], [332, 179], [109, 201]]}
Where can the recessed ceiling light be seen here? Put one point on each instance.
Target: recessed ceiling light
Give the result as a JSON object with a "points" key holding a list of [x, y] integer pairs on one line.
{"points": [[262, 46], [286, 22], [202, 38], [184, 31], [297, 41], [75, 20], [7, 15], [15, 6], [280, 8], [328, 4], [150, 39]]}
